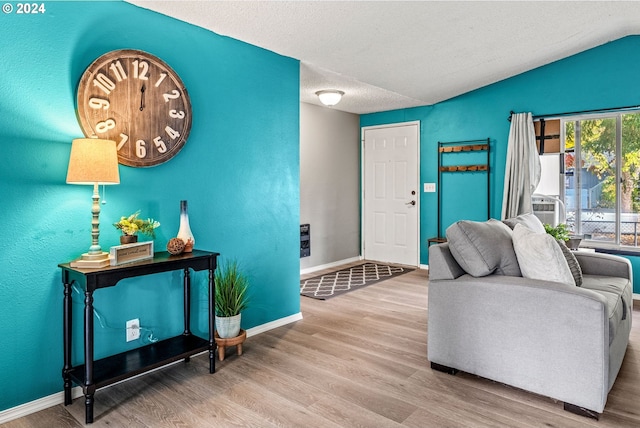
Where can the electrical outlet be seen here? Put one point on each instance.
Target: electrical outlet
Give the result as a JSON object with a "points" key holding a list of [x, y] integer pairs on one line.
{"points": [[133, 329]]}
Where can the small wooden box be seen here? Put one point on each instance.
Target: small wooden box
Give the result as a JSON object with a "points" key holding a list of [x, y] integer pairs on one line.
{"points": [[130, 253]]}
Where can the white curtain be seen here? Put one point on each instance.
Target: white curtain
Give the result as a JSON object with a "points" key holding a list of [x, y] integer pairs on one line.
{"points": [[522, 171]]}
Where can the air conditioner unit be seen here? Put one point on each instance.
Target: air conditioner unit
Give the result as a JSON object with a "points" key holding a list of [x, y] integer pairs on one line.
{"points": [[549, 209]]}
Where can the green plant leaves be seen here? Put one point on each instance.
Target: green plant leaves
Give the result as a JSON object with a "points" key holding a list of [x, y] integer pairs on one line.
{"points": [[231, 289]]}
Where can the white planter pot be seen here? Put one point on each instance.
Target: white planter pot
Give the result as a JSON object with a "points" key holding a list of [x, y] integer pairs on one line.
{"points": [[228, 327]]}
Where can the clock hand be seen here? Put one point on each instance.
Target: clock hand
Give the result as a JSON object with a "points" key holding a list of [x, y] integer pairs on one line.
{"points": [[142, 98]]}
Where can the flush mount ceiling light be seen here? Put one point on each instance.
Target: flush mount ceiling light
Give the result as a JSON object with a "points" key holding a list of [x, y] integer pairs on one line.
{"points": [[330, 97]]}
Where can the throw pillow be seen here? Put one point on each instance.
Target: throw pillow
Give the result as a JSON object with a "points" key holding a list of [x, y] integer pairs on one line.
{"points": [[483, 248], [540, 256], [529, 220], [574, 266]]}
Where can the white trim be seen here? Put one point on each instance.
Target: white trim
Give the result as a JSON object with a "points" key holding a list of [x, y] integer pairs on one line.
{"points": [[330, 265], [58, 397], [423, 267], [36, 405], [274, 324], [636, 296], [418, 178]]}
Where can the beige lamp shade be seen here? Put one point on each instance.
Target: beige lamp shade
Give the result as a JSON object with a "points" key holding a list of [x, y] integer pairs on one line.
{"points": [[93, 161]]}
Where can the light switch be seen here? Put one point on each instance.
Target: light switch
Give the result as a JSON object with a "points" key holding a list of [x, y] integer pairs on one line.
{"points": [[429, 187]]}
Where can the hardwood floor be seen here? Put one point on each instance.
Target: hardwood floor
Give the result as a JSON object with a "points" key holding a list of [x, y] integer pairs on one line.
{"points": [[357, 360]]}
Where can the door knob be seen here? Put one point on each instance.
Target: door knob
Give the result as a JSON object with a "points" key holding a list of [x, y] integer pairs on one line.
{"points": [[411, 203]]}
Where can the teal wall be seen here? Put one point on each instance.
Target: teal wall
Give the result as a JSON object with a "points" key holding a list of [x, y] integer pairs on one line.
{"points": [[603, 77], [239, 171]]}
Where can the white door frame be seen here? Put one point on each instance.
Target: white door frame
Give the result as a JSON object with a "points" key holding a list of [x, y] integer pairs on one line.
{"points": [[362, 175]]}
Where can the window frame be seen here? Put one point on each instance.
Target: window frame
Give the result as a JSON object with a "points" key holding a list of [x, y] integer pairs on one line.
{"points": [[576, 119]]}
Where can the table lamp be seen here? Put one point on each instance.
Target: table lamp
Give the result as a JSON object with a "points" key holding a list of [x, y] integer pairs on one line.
{"points": [[93, 161]]}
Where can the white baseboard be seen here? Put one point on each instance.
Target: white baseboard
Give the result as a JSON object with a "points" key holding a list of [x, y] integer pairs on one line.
{"points": [[330, 265], [37, 405], [58, 398], [274, 324], [423, 267]]}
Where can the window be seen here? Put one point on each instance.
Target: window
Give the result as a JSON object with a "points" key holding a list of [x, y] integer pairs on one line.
{"points": [[600, 181]]}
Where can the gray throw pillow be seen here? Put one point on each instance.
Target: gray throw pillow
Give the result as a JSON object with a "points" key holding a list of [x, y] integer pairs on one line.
{"points": [[483, 248], [540, 256], [574, 266], [529, 220]]}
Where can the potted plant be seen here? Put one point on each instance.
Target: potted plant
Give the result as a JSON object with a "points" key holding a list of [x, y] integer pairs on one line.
{"points": [[561, 233], [230, 298], [132, 225]]}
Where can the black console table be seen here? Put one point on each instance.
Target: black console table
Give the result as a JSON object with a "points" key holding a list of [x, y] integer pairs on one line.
{"points": [[93, 375]]}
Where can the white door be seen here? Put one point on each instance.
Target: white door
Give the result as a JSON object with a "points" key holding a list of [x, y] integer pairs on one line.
{"points": [[390, 194]]}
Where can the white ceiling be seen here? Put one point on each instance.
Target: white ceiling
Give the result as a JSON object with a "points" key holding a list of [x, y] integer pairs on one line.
{"points": [[395, 54]]}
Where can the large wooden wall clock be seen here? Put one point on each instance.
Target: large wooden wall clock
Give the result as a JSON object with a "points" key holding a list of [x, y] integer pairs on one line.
{"points": [[138, 101]]}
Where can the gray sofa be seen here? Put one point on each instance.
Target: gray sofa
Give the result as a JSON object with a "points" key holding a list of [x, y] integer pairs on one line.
{"points": [[554, 339]]}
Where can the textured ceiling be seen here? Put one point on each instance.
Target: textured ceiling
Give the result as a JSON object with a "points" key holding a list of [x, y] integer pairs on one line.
{"points": [[394, 54]]}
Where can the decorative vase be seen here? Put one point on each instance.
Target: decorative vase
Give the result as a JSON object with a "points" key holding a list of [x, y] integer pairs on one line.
{"points": [[128, 239], [184, 232], [574, 242], [228, 327]]}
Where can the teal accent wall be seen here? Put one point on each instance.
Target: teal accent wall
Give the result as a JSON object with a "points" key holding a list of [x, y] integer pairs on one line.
{"points": [[239, 172], [635, 267], [603, 77]]}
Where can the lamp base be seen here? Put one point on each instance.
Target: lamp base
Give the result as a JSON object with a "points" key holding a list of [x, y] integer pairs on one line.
{"points": [[91, 261]]}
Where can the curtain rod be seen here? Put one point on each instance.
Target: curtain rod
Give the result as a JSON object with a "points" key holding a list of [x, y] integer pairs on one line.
{"points": [[573, 113]]}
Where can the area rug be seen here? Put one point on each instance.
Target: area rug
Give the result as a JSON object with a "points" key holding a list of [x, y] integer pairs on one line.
{"points": [[342, 281]]}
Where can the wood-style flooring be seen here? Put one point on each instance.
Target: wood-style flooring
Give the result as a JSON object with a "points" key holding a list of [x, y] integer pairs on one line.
{"points": [[357, 360]]}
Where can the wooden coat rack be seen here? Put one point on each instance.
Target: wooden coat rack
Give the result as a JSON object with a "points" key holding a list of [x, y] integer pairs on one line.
{"points": [[453, 147]]}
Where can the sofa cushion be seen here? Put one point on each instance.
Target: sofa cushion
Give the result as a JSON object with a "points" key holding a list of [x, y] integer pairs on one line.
{"points": [[529, 220], [483, 248], [540, 256], [574, 266]]}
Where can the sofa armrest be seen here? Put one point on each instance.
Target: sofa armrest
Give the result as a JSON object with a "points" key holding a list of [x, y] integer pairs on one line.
{"points": [[544, 337], [604, 264], [442, 264]]}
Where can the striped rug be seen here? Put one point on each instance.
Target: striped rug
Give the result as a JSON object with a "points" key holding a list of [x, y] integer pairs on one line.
{"points": [[342, 281]]}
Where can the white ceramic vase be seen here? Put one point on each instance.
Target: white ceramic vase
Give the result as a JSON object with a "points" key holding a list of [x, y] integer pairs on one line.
{"points": [[228, 327], [184, 232]]}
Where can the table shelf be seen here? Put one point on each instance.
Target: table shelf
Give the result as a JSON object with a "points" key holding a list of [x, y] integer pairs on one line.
{"points": [[116, 368]]}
